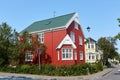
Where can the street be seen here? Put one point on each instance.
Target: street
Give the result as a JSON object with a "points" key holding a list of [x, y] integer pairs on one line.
{"points": [[113, 75]]}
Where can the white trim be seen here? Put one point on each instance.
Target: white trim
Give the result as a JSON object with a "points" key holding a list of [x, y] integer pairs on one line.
{"points": [[81, 55], [49, 30], [66, 41], [41, 37], [28, 56], [75, 54], [58, 55], [68, 55], [74, 18]]}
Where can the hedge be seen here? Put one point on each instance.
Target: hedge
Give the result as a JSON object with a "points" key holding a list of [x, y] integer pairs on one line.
{"points": [[48, 69]]}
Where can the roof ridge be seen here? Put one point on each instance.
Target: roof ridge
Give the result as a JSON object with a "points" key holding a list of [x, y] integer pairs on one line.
{"points": [[55, 17], [49, 23]]}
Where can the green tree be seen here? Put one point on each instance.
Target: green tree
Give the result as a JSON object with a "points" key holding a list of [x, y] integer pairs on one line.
{"points": [[28, 44], [25, 45], [5, 36], [107, 44], [118, 35], [14, 49]]}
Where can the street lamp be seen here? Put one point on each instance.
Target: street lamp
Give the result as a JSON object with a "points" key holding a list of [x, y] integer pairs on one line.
{"points": [[88, 29]]}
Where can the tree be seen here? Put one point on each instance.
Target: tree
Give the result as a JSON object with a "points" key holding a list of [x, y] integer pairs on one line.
{"points": [[107, 44], [25, 45], [118, 35], [9, 45], [14, 49]]}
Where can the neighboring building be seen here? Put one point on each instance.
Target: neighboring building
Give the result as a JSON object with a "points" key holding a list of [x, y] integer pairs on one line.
{"points": [[93, 54], [63, 37]]}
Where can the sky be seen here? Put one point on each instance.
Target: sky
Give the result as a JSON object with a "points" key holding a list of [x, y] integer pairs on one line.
{"points": [[100, 15]]}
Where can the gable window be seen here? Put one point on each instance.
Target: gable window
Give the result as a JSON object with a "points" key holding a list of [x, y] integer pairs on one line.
{"points": [[67, 54], [28, 56], [41, 37], [72, 36], [76, 25], [80, 40], [81, 55]]}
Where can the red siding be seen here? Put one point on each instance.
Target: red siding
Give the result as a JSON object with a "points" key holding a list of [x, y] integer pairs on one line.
{"points": [[52, 40], [77, 33]]}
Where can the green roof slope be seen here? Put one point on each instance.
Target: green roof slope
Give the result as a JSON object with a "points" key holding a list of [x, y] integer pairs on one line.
{"points": [[49, 23]]}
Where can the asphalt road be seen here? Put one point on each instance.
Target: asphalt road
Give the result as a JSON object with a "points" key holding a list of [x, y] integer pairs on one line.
{"points": [[113, 75]]}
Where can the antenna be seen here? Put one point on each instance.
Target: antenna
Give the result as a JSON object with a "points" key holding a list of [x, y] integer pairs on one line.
{"points": [[54, 13]]}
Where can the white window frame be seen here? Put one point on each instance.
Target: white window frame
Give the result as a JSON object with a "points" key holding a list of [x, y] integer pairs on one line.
{"points": [[81, 55], [58, 55], [67, 54], [80, 40], [92, 46], [29, 40], [72, 36], [75, 54], [41, 37], [76, 25], [28, 56], [88, 46]]}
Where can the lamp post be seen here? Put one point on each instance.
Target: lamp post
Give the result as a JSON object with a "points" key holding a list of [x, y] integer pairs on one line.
{"points": [[88, 29]]}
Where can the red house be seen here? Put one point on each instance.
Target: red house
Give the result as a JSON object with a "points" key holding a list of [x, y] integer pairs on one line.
{"points": [[63, 37]]}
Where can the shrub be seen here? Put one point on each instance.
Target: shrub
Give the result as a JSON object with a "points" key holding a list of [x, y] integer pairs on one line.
{"points": [[48, 69]]}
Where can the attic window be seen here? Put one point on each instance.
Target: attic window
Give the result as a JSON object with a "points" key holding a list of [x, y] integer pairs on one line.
{"points": [[76, 25], [72, 36]]}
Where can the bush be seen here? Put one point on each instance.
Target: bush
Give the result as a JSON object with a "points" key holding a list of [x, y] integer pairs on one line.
{"points": [[48, 69]]}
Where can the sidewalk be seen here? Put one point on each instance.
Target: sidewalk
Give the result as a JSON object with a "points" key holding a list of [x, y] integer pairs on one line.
{"points": [[42, 77]]}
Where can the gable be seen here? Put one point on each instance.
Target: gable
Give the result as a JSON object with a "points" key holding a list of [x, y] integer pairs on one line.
{"points": [[66, 41]]}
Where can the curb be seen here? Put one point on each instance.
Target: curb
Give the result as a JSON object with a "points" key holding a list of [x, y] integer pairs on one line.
{"points": [[106, 73]]}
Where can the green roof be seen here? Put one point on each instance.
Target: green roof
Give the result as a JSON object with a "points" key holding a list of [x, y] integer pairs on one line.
{"points": [[49, 23]]}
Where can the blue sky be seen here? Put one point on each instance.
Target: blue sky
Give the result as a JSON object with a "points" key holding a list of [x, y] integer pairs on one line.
{"points": [[100, 15]]}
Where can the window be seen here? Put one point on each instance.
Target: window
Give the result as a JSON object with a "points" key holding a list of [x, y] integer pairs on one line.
{"points": [[67, 54], [28, 56], [81, 55], [88, 46], [76, 25], [80, 40], [29, 40], [92, 46], [89, 55], [58, 55], [75, 54], [41, 37], [72, 36], [93, 57]]}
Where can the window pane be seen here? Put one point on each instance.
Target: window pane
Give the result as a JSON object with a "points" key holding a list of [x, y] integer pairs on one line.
{"points": [[67, 54], [80, 40], [28, 56], [76, 26], [72, 36], [81, 55], [41, 37]]}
